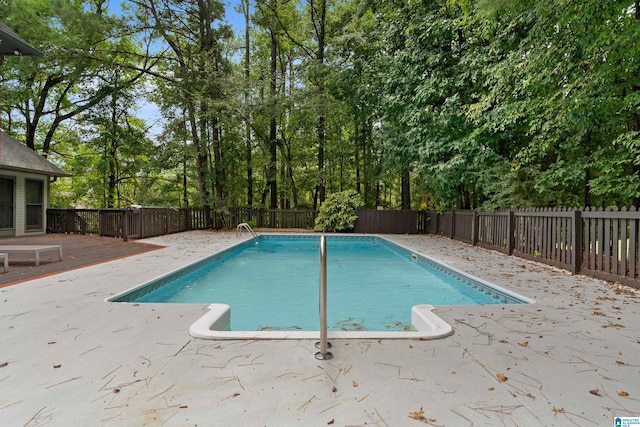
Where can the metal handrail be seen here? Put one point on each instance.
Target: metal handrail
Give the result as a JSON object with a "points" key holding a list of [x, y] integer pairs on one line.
{"points": [[248, 228], [323, 354]]}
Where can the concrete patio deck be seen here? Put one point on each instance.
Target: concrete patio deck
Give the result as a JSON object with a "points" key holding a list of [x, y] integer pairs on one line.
{"points": [[68, 358]]}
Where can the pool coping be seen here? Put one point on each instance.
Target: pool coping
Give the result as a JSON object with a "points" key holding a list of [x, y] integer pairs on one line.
{"points": [[215, 324]]}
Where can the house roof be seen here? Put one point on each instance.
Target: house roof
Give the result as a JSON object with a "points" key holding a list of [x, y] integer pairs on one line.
{"points": [[16, 156], [13, 44]]}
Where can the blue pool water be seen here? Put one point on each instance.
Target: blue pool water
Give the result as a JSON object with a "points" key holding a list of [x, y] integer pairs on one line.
{"points": [[274, 285]]}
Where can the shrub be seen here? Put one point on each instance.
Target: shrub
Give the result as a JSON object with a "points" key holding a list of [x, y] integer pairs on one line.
{"points": [[338, 212]]}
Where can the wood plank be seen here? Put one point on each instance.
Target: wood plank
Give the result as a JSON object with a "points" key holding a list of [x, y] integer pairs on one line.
{"points": [[554, 239], [624, 247], [593, 242], [606, 248], [586, 230], [633, 256], [600, 245], [615, 239]]}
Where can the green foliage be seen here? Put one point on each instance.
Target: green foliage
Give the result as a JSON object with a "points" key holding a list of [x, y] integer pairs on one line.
{"points": [[482, 103], [338, 212]]}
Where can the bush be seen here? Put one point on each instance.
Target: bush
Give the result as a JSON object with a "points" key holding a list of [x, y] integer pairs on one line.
{"points": [[338, 212]]}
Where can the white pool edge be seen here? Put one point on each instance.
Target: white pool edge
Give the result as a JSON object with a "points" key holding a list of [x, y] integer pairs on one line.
{"points": [[215, 326]]}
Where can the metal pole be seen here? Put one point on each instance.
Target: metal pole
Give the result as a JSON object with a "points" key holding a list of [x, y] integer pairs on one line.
{"points": [[323, 354]]}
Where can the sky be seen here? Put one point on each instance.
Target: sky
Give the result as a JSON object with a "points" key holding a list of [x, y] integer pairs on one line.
{"points": [[234, 18]]}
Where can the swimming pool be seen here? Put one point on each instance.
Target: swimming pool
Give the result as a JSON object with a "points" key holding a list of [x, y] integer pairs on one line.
{"points": [[376, 288]]}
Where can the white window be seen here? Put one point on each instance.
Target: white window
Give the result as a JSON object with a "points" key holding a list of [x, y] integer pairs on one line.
{"points": [[34, 197]]}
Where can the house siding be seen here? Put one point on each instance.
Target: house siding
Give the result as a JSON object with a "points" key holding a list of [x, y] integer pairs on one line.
{"points": [[20, 226]]}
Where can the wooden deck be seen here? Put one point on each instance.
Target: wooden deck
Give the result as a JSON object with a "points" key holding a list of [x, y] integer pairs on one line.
{"points": [[78, 251]]}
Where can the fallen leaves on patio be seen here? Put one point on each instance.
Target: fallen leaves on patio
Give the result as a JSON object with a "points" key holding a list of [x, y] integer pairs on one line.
{"points": [[501, 377], [419, 416], [595, 392], [355, 384], [558, 410], [623, 393], [613, 325], [524, 344]]}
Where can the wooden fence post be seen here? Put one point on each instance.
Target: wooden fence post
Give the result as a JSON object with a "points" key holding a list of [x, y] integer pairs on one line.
{"points": [[474, 228], [510, 232], [142, 213], [452, 230], [576, 240], [68, 222], [207, 217], [123, 223]]}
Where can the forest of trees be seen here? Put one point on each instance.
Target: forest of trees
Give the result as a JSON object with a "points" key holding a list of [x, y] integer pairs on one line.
{"points": [[411, 103]]}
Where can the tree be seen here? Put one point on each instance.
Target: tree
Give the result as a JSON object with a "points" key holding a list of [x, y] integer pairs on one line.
{"points": [[195, 62], [563, 88], [80, 44]]}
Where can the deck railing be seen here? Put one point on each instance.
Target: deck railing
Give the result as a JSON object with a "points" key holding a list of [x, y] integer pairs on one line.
{"points": [[153, 221]]}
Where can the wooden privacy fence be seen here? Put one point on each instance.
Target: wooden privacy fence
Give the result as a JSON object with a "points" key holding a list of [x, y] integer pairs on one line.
{"points": [[266, 218], [125, 223], [390, 222], [152, 221], [599, 243]]}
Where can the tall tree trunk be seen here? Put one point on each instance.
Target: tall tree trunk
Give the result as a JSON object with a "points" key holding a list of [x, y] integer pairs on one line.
{"points": [[247, 126], [636, 117], [357, 153], [321, 121], [294, 190], [587, 171], [113, 155], [367, 167], [283, 174], [273, 129], [217, 163], [406, 189], [185, 198], [201, 157]]}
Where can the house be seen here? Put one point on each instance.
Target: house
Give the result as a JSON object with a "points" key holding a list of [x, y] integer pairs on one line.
{"points": [[24, 188], [24, 175]]}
